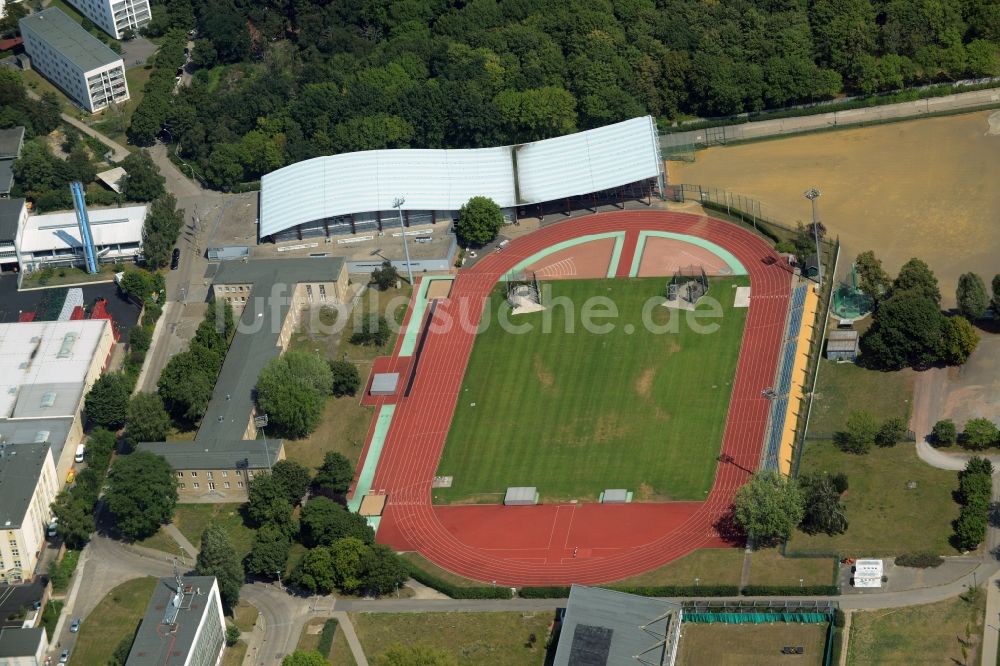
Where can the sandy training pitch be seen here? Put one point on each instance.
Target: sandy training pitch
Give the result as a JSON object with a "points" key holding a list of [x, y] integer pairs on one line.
{"points": [[923, 188]]}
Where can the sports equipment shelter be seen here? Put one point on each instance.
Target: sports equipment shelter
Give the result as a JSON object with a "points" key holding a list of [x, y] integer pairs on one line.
{"points": [[353, 192]]}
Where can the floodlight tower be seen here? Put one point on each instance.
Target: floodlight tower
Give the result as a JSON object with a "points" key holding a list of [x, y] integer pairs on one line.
{"points": [[812, 194], [397, 203]]}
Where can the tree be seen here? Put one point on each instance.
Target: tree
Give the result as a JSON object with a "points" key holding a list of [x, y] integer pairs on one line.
{"points": [[906, 331], [186, 383], [304, 658], [859, 434], [414, 655], [768, 507], [142, 181], [80, 164], [160, 230], [958, 340], [978, 465], [140, 338], [267, 502], [335, 474], [944, 433], [291, 389], [232, 634], [916, 275], [349, 557], [324, 521], [141, 494], [382, 571], [76, 520], [979, 433], [385, 276], [269, 551], [824, 512], [995, 286], [346, 379], [315, 572], [971, 296], [218, 558], [293, 478], [146, 420], [479, 221], [107, 401], [872, 278], [374, 332], [970, 530], [892, 430]]}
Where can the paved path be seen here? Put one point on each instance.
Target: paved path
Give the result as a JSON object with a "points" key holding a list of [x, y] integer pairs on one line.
{"points": [[352, 638], [181, 540], [119, 152]]}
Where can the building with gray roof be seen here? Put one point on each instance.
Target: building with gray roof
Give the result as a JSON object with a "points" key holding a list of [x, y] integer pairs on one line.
{"points": [[11, 142], [609, 628], [13, 214], [23, 646], [76, 62], [183, 625], [28, 485]]}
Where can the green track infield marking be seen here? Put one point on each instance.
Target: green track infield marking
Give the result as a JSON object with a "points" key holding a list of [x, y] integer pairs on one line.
{"points": [[734, 264], [419, 307], [382, 423]]}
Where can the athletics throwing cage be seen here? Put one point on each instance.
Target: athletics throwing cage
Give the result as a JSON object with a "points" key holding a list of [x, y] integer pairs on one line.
{"points": [[687, 285], [523, 292], [849, 302]]}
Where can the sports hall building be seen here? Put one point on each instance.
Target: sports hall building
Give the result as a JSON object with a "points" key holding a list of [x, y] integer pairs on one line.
{"points": [[356, 192]]}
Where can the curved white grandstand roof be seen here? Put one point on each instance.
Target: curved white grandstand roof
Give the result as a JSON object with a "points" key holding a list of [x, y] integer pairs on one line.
{"points": [[566, 166]]}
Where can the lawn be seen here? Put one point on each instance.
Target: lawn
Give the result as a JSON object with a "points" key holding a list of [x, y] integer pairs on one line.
{"points": [[844, 387], [67, 275], [244, 616], [768, 567], [574, 413], [342, 428], [391, 304], [192, 519], [50, 616], [929, 634], [487, 639], [234, 656], [163, 542], [886, 518], [114, 618], [711, 566], [751, 644]]}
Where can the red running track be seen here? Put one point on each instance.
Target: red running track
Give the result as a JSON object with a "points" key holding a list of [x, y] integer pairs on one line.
{"points": [[585, 543]]}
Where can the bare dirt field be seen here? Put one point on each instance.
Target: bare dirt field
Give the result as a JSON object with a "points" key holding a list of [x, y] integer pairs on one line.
{"points": [[924, 188]]}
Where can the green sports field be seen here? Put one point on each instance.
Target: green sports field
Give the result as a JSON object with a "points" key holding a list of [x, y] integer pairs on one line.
{"points": [[574, 413]]}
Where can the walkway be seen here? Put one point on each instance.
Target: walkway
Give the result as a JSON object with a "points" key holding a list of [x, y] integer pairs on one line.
{"points": [[118, 151]]}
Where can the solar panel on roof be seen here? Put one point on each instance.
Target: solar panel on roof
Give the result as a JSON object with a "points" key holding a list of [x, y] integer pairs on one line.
{"points": [[591, 645]]}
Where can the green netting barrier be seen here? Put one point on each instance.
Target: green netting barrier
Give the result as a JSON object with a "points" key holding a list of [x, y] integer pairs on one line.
{"points": [[757, 618]]}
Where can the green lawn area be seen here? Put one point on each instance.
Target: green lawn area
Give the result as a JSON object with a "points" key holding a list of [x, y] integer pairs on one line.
{"points": [[391, 304], [192, 519], [473, 639], [244, 616], [768, 567], [114, 618], [234, 656], [843, 388], [67, 275], [163, 542], [929, 634], [750, 644], [573, 413], [50, 616], [886, 518], [711, 566], [342, 428]]}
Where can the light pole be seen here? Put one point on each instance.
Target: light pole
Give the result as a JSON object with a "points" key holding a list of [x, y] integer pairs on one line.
{"points": [[812, 194], [397, 203]]}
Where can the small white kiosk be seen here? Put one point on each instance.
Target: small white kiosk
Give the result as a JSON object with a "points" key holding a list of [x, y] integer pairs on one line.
{"points": [[867, 573]]}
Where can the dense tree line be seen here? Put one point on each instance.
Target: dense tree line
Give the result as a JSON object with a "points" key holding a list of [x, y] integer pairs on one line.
{"points": [[307, 77]]}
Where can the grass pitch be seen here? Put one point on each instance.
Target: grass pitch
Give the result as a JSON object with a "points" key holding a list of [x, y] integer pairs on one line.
{"points": [[574, 413], [750, 644]]}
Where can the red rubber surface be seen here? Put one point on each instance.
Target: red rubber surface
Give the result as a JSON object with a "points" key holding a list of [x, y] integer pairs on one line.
{"points": [[560, 544]]}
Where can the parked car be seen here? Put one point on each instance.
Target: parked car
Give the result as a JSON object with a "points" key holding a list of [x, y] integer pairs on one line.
{"points": [[64, 657], [175, 259], [75, 627]]}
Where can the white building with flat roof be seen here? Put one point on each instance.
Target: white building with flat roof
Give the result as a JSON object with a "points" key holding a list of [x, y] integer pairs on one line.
{"points": [[46, 369], [28, 486], [75, 61], [115, 17], [13, 215], [54, 239]]}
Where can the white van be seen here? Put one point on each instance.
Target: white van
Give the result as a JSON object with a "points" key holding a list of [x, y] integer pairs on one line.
{"points": [[79, 453]]}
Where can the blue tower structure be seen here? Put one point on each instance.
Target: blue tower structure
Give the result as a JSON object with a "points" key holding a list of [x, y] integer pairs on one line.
{"points": [[80, 204]]}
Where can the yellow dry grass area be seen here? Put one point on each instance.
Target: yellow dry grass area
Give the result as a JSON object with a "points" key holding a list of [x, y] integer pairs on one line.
{"points": [[923, 188]]}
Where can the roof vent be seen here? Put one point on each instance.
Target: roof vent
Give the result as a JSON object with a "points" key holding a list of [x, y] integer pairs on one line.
{"points": [[41, 436], [48, 398], [67, 345]]}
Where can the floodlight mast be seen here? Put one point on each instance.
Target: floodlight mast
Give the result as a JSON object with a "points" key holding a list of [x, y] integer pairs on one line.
{"points": [[812, 194], [397, 203]]}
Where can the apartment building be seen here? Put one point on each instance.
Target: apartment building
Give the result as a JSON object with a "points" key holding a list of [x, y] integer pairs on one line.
{"points": [[75, 61], [28, 486], [183, 625], [115, 17]]}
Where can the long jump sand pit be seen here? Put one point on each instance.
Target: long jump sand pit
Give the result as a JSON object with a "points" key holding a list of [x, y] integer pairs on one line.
{"points": [[923, 188]]}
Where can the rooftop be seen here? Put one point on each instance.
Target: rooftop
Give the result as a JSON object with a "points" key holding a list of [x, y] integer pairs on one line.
{"points": [[112, 178], [17, 642], [608, 627], [67, 36], [11, 141], [169, 629], [34, 431], [256, 340], [10, 214], [224, 454], [61, 230], [44, 365], [6, 176], [20, 468]]}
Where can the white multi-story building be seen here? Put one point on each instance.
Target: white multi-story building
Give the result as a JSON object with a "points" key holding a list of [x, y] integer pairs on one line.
{"points": [[53, 239], [115, 17], [183, 625], [28, 486], [75, 61]]}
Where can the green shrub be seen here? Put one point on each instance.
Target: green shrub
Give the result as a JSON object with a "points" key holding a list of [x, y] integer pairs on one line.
{"points": [[919, 560], [679, 590], [326, 638], [455, 591], [543, 592], [790, 590]]}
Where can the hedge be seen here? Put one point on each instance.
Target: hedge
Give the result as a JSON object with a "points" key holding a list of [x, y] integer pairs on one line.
{"points": [[919, 560], [641, 590], [455, 591], [790, 590], [326, 637], [543, 592]]}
